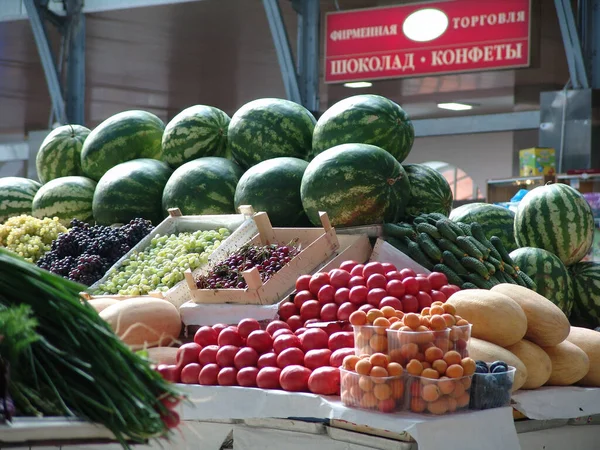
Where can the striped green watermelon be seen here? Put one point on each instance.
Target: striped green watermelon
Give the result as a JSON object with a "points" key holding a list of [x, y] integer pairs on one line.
{"points": [[131, 189], [195, 132], [16, 196], [549, 274], [273, 186], [268, 128], [67, 198], [203, 186], [365, 119], [586, 288], [495, 221], [60, 153], [122, 137], [429, 191], [355, 184], [557, 218]]}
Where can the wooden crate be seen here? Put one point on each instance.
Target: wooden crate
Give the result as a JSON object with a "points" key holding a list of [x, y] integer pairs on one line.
{"points": [[317, 245]]}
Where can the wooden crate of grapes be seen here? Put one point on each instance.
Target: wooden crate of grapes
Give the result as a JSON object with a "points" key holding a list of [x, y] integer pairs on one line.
{"points": [[265, 270]]}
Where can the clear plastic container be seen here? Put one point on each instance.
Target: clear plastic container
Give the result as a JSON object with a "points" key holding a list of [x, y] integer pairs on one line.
{"points": [[369, 339], [437, 396], [406, 345], [384, 394], [492, 390], [459, 338]]}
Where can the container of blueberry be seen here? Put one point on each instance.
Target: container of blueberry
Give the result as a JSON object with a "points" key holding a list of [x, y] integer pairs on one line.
{"points": [[492, 385]]}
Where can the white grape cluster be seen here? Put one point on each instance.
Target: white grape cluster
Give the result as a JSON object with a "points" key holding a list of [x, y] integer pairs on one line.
{"points": [[162, 264], [30, 237]]}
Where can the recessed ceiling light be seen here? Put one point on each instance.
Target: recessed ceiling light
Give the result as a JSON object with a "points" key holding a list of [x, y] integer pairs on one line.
{"points": [[455, 106], [425, 25], [358, 84]]}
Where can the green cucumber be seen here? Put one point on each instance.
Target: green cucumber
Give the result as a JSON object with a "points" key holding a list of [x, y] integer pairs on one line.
{"points": [[446, 230], [468, 285], [490, 267], [473, 265], [431, 230], [452, 276], [398, 231], [479, 281], [466, 229], [519, 280], [429, 247], [458, 230], [529, 283], [420, 219], [436, 216], [397, 243], [510, 270], [499, 246], [505, 278], [415, 253], [468, 247], [452, 261], [482, 248], [499, 265], [450, 246]]}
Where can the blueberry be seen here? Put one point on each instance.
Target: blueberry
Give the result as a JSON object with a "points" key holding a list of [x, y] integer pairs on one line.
{"points": [[481, 363], [497, 364], [498, 369], [481, 369]]}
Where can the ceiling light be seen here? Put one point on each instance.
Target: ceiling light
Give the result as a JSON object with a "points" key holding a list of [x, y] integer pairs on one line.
{"points": [[455, 106], [358, 84], [425, 25]]}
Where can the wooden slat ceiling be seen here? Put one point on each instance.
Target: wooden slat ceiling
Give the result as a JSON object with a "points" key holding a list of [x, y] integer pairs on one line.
{"points": [[220, 52]]}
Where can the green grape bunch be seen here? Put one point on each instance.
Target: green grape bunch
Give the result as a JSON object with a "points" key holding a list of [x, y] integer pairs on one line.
{"points": [[29, 237], [161, 265]]}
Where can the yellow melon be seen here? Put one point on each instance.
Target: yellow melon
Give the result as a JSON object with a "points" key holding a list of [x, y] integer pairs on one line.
{"points": [[569, 364], [588, 341], [101, 304], [488, 352], [537, 361]]}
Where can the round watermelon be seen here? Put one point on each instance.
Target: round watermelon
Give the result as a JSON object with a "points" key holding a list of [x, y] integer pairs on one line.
{"points": [[60, 153], [548, 273], [195, 132], [269, 128], [131, 189], [120, 138], [67, 198], [429, 191], [355, 184], [16, 196], [494, 220], [557, 218], [586, 289], [273, 186], [365, 119], [203, 186]]}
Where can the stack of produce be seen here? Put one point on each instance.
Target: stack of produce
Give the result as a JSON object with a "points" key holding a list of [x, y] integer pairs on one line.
{"points": [[160, 266], [29, 237], [16, 196], [85, 252], [66, 198]]}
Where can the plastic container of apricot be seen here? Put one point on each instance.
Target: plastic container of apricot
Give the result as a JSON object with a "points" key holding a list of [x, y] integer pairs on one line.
{"points": [[492, 390], [406, 345], [459, 339], [437, 396], [369, 339], [384, 394]]}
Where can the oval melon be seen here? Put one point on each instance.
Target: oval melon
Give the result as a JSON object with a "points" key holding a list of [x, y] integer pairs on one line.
{"points": [[495, 317], [569, 364], [100, 304], [547, 325], [537, 361], [144, 322], [488, 352], [588, 341]]}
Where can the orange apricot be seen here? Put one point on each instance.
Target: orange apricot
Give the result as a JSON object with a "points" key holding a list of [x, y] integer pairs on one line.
{"points": [[455, 371], [363, 336], [426, 311], [422, 329], [443, 343], [426, 365], [452, 357], [426, 322], [466, 381], [368, 401], [420, 356], [468, 364], [449, 318], [382, 391], [446, 385], [393, 320], [364, 355], [437, 323], [378, 343], [365, 383], [409, 351], [399, 314], [414, 367], [379, 359], [452, 404], [378, 372], [438, 407], [405, 328], [436, 310], [430, 373], [388, 312], [461, 322], [463, 400], [455, 333], [440, 365], [430, 393], [397, 325], [381, 322], [394, 369], [396, 356], [412, 320], [363, 367], [350, 362], [355, 392], [417, 405], [373, 314], [433, 353], [437, 303], [449, 309], [459, 389], [397, 387], [358, 318]]}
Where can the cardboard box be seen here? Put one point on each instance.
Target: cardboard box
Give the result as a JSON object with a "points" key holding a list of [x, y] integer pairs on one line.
{"points": [[537, 161]]}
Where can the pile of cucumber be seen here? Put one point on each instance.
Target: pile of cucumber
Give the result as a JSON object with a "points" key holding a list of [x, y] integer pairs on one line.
{"points": [[460, 251]]}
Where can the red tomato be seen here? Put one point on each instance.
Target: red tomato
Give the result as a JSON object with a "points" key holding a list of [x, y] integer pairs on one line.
{"points": [[261, 341], [310, 310], [371, 268], [411, 285], [329, 312], [247, 376], [348, 265], [395, 288], [375, 296], [290, 357], [394, 275], [317, 358], [357, 270], [341, 295], [313, 339], [229, 336], [424, 299], [376, 280], [388, 267], [449, 289], [333, 327], [208, 375], [358, 295], [301, 297], [324, 381], [286, 341], [219, 327], [275, 325], [187, 354], [437, 280], [302, 282], [226, 355], [227, 376], [345, 310], [337, 357], [366, 308], [267, 360], [424, 284], [287, 310], [438, 296], [410, 303], [317, 281], [406, 273], [268, 378], [247, 326], [326, 294], [169, 372], [206, 336], [343, 339], [391, 301], [245, 357], [339, 278], [208, 355], [299, 331], [190, 373], [295, 322], [348, 327], [309, 321], [282, 331], [295, 378], [356, 281]]}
